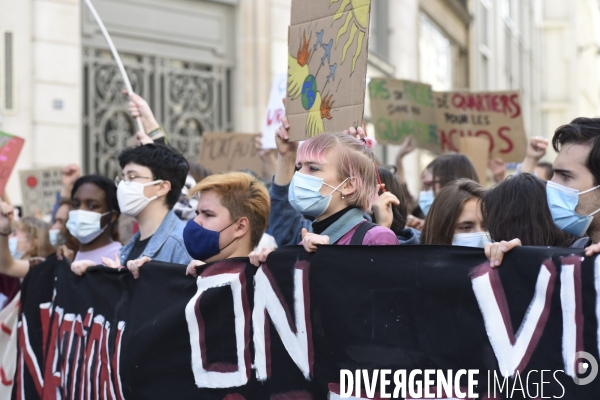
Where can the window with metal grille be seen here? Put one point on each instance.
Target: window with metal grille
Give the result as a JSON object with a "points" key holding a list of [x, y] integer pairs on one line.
{"points": [[8, 71]]}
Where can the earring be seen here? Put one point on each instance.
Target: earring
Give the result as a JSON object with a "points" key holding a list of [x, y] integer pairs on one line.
{"points": [[343, 196]]}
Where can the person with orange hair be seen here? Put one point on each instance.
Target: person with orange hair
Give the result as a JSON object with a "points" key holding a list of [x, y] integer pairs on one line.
{"points": [[232, 215]]}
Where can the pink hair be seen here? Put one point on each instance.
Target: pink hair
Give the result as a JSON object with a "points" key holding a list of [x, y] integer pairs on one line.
{"points": [[355, 161]]}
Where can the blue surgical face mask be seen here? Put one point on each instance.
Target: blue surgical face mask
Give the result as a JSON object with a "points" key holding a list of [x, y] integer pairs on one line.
{"points": [[562, 202], [13, 243], [305, 196], [202, 243], [474, 239], [55, 237], [426, 200]]}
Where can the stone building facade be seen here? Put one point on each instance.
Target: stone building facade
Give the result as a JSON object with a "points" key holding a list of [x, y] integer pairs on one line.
{"points": [[207, 65]]}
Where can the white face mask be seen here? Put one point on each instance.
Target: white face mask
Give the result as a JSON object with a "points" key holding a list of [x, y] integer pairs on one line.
{"points": [[131, 197], [85, 225], [475, 239], [13, 243], [54, 236], [426, 198]]}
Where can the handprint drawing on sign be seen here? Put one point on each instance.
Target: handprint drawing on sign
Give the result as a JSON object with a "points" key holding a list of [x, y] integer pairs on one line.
{"points": [[315, 48]]}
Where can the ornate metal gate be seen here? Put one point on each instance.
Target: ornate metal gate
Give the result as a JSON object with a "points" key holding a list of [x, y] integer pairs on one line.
{"points": [[186, 98]]}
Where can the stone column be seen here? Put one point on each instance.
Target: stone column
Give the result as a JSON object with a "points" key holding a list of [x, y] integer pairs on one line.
{"points": [[16, 19], [253, 64], [57, 82]]}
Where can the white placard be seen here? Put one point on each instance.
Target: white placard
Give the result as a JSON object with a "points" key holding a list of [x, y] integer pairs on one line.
{"points": [[275, 111]]}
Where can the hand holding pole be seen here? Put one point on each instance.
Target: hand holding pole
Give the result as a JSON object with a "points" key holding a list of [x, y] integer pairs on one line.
{"points": [[116, 56]]}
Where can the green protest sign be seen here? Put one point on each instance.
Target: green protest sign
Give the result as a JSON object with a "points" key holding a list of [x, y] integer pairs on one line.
{"points": [[401, 108]]}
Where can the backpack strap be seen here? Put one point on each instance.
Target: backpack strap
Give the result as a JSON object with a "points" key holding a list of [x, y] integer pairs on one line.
{"points": [[361, 231]]}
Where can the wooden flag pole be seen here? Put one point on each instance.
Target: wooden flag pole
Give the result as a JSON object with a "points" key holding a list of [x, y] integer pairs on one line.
{"points": [[116, 56]]}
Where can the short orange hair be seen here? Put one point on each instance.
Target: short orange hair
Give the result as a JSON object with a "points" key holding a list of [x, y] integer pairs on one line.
{"points": [[244, 196]]}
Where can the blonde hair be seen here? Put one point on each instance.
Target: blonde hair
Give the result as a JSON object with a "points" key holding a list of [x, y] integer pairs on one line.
{"points": [[36, 231], [355, 161], [243, 195]]}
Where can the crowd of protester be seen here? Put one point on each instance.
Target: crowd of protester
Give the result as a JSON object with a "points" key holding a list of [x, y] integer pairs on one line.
{"points": [[330, 190]]}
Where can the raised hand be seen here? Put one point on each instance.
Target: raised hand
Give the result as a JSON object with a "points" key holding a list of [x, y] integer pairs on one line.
{"points": [[282, 139], [7, 213], [536, 148], [358, 133], [382, 209], [498, 168], [408, 145], [70, 174], [138, 107]]}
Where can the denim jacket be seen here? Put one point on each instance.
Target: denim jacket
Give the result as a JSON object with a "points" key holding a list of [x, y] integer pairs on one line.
{"points": [[165, 245]]}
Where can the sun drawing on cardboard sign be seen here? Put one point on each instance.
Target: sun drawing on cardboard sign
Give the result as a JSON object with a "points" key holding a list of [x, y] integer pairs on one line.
{"points": [[358, 18], [303, 84]]}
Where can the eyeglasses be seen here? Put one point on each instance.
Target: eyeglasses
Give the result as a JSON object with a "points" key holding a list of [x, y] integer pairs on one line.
{"points": [[427, 185], [130, 178]]}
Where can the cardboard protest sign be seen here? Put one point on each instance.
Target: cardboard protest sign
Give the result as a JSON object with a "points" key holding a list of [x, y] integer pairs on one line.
{"points": [[476, 149], [495, 115], [327, 65], [225, 152], [39, 188], [402, 108], [275, 111], [10, 148]]}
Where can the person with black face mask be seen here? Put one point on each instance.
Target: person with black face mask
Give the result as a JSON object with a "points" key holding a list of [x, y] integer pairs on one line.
{"points": [[232, 215]]}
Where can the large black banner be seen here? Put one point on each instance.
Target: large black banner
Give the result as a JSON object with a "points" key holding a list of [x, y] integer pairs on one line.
{"points": [[366, 322]]}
